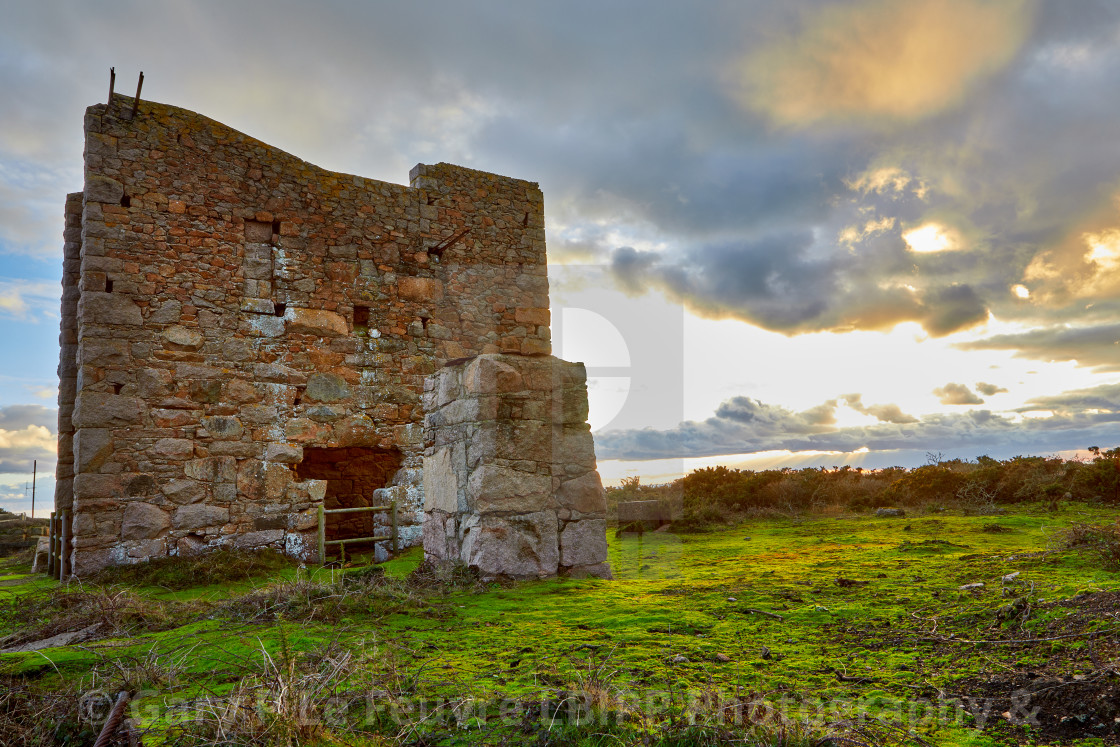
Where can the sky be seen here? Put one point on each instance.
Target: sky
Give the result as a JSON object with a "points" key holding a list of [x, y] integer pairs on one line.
{"points": [[804, 233]]}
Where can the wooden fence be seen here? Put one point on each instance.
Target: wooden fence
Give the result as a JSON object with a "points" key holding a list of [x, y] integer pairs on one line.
{"points": [[323, 542], [57, 557]]}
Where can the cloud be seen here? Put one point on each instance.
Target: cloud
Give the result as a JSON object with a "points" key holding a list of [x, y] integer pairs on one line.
{"points": [[962, 114], [18, 448], [16, 497], [29, 300], [879, 61], [1097, 346], [956, 394], [890, 413], [989, 389], [958, 434], [779, 282], [27, 433], [1104, 398], [771, 419], [21, 416]]}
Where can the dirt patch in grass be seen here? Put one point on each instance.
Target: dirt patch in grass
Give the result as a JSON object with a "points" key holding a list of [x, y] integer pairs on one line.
{"points": [[1062, 692]]}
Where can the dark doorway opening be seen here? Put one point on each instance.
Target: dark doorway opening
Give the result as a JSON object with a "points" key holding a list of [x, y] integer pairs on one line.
{"points": [[352, 474]]}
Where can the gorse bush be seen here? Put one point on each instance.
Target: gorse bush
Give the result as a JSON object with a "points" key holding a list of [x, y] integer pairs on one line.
{"points": [[1101, 540], [715, 495]]}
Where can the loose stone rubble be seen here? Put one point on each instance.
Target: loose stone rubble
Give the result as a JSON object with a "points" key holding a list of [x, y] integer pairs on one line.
{"points": [[246, 336]]}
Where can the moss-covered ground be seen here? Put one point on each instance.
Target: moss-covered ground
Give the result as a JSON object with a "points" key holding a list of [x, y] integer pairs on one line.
{"points": [[780, 630]]}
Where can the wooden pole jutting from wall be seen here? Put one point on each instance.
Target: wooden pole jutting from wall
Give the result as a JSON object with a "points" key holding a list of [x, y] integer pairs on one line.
{"points": [[136, 101], [112, 85], [34, 471]]}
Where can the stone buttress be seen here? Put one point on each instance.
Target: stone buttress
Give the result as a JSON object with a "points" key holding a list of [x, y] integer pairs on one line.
{"points": [[510, 481]]}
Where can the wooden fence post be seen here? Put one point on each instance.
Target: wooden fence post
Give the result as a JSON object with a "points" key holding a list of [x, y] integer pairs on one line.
{"points": [[393, 512], [51, 544], [322, 536], [64, 559]]}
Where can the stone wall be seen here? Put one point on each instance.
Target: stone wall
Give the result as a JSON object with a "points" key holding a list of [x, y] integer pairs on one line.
{"points": [[235, 304], [68, 351], [510, 480]]}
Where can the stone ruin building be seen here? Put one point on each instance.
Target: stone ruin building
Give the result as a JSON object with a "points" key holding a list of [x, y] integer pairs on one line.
{"points": [[247, 337]]}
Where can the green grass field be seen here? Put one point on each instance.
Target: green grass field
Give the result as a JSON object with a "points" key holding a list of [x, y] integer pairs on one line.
{"points": [[806, 630]]}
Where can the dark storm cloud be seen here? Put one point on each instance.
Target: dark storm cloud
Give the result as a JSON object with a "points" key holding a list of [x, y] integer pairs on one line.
{"points": [[666, 125], [964, 434], [956, 394], [1010, 136], [778, 283], [1097, 346], [1015, 169]]}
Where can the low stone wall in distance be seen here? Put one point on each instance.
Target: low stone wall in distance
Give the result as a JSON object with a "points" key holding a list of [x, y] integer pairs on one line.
{"points": [[510, 482]]}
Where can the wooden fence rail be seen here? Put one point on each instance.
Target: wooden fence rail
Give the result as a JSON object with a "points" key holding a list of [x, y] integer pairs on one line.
{"points": [[323, 541]]}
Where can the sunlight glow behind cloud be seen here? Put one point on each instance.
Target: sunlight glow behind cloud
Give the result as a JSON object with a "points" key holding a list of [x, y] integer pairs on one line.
{"points": [[880, 61], [931, 237]]}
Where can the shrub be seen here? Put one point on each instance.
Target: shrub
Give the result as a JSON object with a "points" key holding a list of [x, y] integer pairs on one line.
{"points": [[719, 495], [1101, 540], [1100, 478]]}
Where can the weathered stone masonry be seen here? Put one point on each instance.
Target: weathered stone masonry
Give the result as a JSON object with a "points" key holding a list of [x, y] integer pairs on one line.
{"points": [[510, 484], [228, 308]]}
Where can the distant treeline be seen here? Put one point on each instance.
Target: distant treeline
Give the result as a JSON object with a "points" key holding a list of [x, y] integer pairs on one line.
{"points": [[718, 494]]}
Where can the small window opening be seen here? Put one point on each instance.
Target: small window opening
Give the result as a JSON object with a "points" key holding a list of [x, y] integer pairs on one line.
{"points": [[361, 320], [424, 320], [126, 201], [275, 230], [117, 388], [525, 221], [279, 308], [299, 396], [108, 285]]}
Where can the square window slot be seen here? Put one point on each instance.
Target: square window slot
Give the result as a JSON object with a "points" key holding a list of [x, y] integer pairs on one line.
{"points": [[361, 320]]}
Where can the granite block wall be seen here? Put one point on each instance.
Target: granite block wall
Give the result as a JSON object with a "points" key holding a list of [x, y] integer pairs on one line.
{"points": [[227, 305], [510, 480]]}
